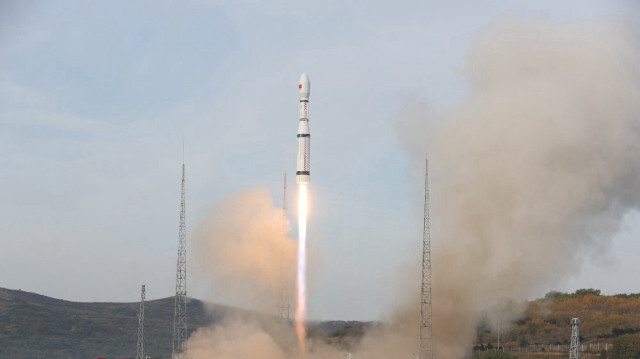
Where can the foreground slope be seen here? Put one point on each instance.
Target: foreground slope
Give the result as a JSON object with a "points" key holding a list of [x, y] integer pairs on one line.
{"points": [[36, 326]]}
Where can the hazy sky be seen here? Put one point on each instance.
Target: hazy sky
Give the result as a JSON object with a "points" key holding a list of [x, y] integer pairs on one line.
{"points": [[97, 97]]}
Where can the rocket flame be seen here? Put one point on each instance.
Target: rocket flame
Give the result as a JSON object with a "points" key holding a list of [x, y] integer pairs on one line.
{"points": [[301, 310]]}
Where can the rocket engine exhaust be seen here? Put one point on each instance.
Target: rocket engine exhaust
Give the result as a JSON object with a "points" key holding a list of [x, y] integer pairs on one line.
{"points": [[301, 309]]}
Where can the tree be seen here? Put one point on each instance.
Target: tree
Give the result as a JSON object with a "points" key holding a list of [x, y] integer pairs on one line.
{"points": [[555, 294], [497, 354], [583, 292], [626, 347]]}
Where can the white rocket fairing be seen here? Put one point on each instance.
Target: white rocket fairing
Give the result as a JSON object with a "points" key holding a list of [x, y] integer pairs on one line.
{"points": [[304, 138]]}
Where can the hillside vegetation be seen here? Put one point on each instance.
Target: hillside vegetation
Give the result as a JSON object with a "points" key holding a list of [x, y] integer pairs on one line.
{"points": [[546, 320]]}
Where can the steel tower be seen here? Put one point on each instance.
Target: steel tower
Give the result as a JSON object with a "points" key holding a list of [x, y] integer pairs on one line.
{"points": [[426, 329], [283, 304], [574, 350], [180, 312], [140, 352]]}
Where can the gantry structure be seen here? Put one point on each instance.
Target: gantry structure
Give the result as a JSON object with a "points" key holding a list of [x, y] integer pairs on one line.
{"points": [[140, 351], [574, 349], [284, 305], [180, 308], [426, 321]]}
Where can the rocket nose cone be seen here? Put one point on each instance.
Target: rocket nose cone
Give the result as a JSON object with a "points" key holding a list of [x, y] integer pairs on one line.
{"points": [[304, 78], [304, 87]]}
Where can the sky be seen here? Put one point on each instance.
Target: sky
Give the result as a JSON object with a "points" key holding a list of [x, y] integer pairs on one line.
{"points": [[97, 99]]}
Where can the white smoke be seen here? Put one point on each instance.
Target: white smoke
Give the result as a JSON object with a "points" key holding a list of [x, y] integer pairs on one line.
{"points": [[539, 163], [242, 251]]}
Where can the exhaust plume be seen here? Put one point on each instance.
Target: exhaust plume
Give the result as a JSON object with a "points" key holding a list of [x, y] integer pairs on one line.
{"points": [[301, 279], [533, 170]]}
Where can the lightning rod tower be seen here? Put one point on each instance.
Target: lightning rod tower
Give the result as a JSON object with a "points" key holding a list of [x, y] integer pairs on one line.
{"points": [[426, 328], [180, 312], [574, 350], [140, 352], [283, 304]]}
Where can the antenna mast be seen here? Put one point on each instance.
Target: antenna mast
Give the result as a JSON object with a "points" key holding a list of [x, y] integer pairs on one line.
{"points": [[180, 313], [574, 350], [284, 305], [140, 352], [426, 330]]}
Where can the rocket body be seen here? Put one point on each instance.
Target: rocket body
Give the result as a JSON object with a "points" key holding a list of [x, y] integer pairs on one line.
{"points": [[303, 171]]}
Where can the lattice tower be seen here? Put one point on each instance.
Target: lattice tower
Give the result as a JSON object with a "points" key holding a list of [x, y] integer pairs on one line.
{"points": [[574, 350], [426, 325], [284, 305], [140, 352], [180, 312]]}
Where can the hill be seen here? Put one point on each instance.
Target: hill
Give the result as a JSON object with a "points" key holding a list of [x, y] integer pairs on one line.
{"points": [[37, 326], [546, 320]]}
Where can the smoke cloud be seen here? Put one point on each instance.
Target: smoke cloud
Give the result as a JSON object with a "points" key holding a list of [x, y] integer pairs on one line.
{"points": [[232, 341], [242, 251], [535, 168], [237, 249], [243, 256]]}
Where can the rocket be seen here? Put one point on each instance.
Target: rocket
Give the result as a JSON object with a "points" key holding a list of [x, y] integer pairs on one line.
{"points": [[304, 138]]}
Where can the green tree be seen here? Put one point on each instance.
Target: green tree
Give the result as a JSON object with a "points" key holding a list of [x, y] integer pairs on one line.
{"points": [[554, 294], [583, 292], [626, 347], [497, 354]]}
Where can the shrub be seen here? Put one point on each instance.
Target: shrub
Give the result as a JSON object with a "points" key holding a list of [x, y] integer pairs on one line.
{"points": [[626, 347]]}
